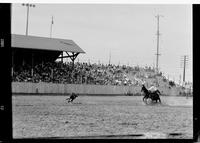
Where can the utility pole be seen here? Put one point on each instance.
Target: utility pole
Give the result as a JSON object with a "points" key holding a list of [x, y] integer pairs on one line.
{"points": [[52, 22], [109, 58], [153, 67], [27, 5], [158, 34], [180, 79], [184, 60]]}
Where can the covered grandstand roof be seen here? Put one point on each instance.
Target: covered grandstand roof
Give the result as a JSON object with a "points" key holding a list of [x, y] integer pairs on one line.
{"points": [[44, 43]]}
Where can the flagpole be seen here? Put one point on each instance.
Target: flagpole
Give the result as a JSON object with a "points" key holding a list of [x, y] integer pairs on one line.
{"points": [[51, 27]]}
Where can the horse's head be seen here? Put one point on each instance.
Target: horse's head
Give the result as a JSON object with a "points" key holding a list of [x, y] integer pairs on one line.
{"points": [[144, 89]]}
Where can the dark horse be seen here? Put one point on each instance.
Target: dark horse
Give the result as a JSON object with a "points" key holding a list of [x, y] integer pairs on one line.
{"points": [[154, 96], [72, 97]]}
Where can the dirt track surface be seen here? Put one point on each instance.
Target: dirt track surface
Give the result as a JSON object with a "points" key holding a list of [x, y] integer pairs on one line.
{"points": [[52, 116]]}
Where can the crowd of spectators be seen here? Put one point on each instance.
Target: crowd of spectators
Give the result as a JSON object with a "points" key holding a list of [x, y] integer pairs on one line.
{"points": [[82, 73]]}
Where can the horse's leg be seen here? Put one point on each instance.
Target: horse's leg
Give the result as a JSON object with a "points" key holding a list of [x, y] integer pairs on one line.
{"points": [[146, 99], [159, 100], [70, 100], [156, 98], [143, 98]]}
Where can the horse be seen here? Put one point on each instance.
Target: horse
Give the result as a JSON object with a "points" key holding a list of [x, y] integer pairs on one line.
{"points": [[154, 96], [146, 93], [72, 97]]}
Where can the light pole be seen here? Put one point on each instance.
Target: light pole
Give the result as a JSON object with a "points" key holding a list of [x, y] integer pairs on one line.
{"points": [[27, 5]]}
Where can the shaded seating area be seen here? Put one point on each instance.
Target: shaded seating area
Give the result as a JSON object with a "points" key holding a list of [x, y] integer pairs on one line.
{"points": [[32, 54]]}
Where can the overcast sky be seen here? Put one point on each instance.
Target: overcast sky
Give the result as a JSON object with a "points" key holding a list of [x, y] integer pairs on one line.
{"points": [[125, 31]]}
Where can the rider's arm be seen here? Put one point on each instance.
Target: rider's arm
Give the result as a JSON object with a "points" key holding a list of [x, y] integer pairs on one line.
{"points": [[151, 88]]}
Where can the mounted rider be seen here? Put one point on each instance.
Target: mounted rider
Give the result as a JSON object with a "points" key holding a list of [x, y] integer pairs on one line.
{"points": [[154, 89]]}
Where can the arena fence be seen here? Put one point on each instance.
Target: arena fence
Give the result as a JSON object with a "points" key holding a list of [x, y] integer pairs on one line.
{"points": [[85, 89]]}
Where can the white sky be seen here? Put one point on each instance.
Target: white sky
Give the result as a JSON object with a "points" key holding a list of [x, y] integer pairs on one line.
{"points": [[127, 31]]}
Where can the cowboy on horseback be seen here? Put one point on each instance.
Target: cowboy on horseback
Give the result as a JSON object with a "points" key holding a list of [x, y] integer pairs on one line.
{"points": [[154, 89], [152, 93]]}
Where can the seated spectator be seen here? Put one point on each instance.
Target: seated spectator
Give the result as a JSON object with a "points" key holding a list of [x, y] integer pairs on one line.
{"points": [[58, 72]]}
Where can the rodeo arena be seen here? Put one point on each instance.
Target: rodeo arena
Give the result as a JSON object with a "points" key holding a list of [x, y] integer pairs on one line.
{"points": [[55, 98]]}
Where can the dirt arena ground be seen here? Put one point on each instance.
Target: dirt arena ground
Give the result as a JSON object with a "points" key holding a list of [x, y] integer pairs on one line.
{"points": [[127, 116]]}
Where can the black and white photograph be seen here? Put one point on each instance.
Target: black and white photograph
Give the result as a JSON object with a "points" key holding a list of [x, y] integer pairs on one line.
{"points": [[101, 71]]}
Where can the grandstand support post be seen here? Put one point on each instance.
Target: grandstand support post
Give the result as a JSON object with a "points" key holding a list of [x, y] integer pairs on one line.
{"points": [[52, 74], [72, 57], [62, 57], [32, 62], [12, 69]]}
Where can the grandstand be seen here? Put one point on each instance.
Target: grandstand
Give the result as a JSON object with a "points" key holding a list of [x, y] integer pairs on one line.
{"points": [[32, 50], [34, 59]]}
